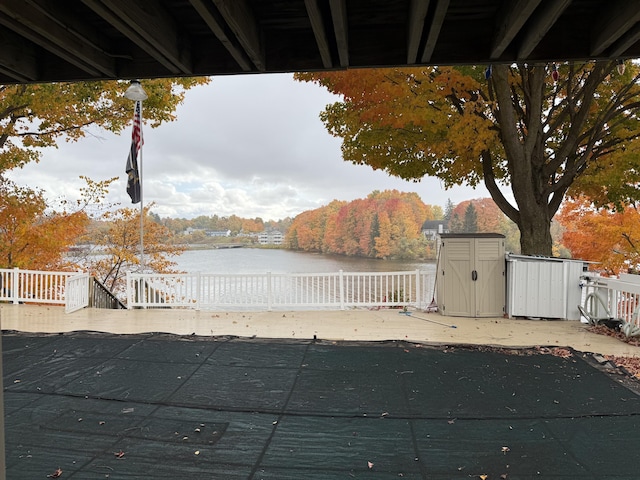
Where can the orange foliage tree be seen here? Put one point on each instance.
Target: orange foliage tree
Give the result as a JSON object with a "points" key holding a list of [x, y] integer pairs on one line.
{"points": [[490, 219], [511, 125], [255, 225], [31, 235], [610, 238], [118, 245], [385, 224]]}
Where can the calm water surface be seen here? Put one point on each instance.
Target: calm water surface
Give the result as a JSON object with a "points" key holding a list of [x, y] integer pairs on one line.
{"points": [[256, 260]]}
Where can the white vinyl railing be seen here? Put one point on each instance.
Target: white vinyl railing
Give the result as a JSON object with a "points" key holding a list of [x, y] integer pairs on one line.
{"points": [[269, 291], [77, 292], [605, 297], [33, 286]]}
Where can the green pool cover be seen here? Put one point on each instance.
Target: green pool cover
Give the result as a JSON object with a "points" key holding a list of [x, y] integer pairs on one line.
{"points": [[95, 406]]}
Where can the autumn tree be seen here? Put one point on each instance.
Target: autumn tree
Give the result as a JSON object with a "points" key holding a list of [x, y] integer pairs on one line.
{"points": [[119, 247], [510, 125], [385, 224], [482, 212], [255, 225], [37, 235], [609, 238], [489, 219], [32, 236]]}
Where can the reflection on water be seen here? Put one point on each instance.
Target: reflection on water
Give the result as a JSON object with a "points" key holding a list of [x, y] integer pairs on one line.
{"points": [[255, 260]]}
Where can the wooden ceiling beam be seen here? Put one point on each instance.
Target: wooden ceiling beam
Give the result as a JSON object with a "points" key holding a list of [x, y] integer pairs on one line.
{"points": [[60, 37], [541, 22], [417, 16], [435, 26], [626, 41], [618, 20], [514, 16], [151, 28], [213, 20], [242, 22], [17, 58], [319, 32], [341, 29]]}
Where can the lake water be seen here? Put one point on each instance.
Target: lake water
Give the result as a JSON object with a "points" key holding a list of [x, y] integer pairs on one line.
{"points": [[256, 260]]}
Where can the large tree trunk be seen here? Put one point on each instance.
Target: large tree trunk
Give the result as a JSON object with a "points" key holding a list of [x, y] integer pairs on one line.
{"points": [[532, 218], [535, 230], [525, 157]]}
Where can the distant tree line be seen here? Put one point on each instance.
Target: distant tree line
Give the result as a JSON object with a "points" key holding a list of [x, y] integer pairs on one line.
{"points": [[386, 224], [236, 225]]}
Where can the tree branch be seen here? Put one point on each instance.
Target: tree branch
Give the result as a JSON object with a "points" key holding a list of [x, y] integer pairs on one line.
{"points": [[494, 190]]}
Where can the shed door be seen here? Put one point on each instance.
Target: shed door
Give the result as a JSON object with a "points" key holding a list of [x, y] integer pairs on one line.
{"points": [[490, 284], [458, 285], [472, 278]]}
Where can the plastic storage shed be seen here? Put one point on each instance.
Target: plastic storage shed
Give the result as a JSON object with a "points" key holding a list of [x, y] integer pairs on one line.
{"points": [[544, 287], [471, 275]]}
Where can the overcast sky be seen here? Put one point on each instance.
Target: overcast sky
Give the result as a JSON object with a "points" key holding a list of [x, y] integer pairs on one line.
{"points": [[250, 145]]}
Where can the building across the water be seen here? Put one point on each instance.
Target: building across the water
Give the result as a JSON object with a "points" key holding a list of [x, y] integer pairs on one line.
{"points": [[270, 237]]}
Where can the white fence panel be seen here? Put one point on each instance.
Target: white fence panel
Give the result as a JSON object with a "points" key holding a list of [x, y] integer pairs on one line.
{"points": [[7, 287], [287, 290], [33, 286], [77, 292], [336, 290]]}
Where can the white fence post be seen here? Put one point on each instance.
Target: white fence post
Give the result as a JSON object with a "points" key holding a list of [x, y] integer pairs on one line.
{"points": [[341, 290], [269, 291], [129, 291], [198, 289], [14, 285], [418, 290]]}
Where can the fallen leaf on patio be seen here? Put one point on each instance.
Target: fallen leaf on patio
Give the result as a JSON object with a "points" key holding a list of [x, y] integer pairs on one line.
{"points": [[56, 474], [452, 421], [483, 477], [119, 454], [370, 465]]}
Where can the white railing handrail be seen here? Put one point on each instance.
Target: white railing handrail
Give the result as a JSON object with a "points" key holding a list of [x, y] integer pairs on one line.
{"points": [[33, 286], [332, 290], [618, 297], [336, 290]]}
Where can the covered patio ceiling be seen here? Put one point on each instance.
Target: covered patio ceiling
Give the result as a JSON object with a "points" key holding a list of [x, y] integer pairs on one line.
{"points": [[52, 40]]}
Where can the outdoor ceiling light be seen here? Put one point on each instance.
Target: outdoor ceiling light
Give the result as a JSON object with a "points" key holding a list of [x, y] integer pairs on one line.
{"points": [[135, 91]]}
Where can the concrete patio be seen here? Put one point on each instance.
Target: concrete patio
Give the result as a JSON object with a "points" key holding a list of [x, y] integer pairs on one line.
{"points": [[351, 325]]}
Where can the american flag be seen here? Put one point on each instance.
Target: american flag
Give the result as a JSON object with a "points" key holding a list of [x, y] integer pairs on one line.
{"points": [[133, 182]]}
